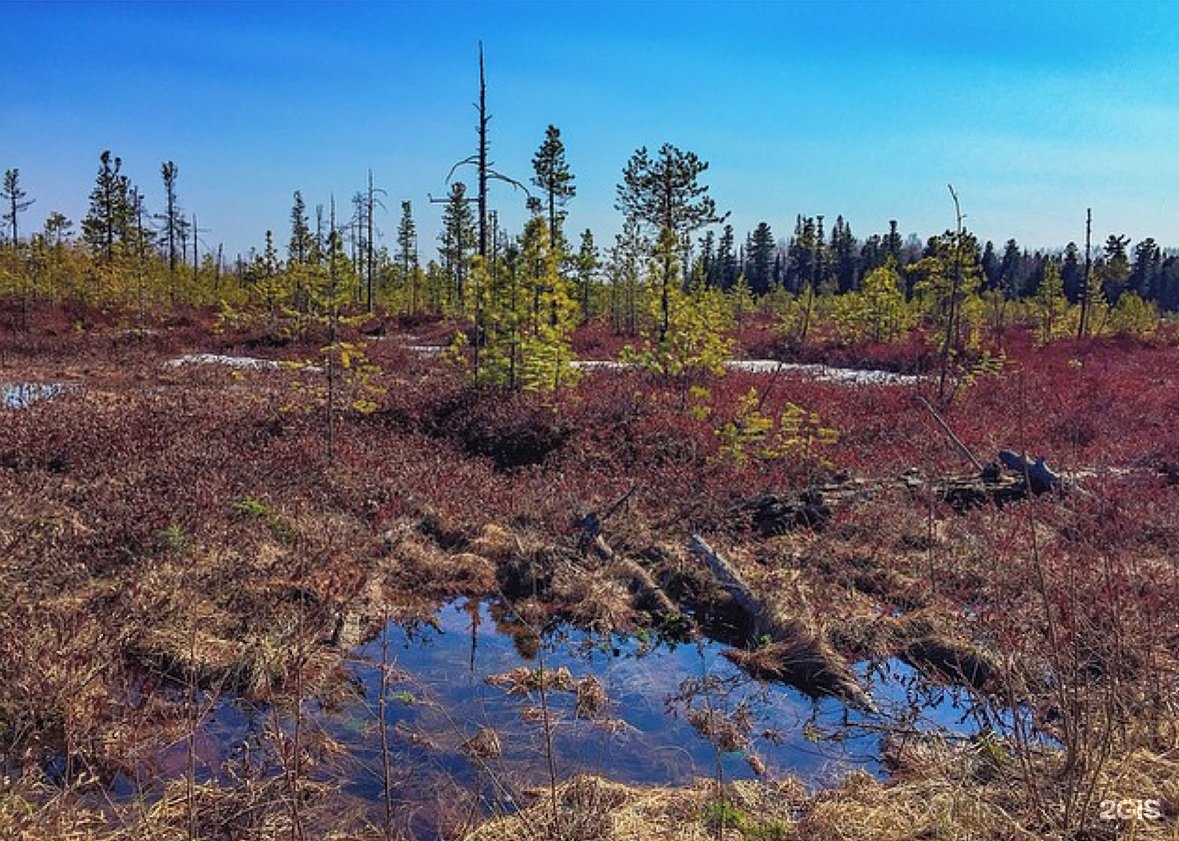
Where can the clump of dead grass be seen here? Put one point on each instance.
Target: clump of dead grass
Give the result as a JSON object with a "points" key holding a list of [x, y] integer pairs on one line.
{"points": [[594, 809]]}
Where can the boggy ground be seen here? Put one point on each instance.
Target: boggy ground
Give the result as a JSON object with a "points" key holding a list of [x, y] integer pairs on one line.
{"points": [[171, 534]]}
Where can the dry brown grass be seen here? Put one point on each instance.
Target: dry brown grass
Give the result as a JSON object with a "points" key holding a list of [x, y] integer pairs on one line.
{"points": [[594, 809], [129, 556]]}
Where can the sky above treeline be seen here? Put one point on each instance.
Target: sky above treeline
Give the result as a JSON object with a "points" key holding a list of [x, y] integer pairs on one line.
{"points": [[1034, 111]]}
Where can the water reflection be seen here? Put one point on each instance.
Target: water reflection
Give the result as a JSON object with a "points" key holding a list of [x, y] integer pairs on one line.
{"points": [[674, 711]]}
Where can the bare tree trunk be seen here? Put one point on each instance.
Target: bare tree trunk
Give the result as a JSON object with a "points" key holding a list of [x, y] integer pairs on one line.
{"points": [[1083, 327]]}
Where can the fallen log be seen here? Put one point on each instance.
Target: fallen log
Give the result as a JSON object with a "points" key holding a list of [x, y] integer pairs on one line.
{"points": [[774, 514], [797, 654], [1036, 473], [648, 589]]}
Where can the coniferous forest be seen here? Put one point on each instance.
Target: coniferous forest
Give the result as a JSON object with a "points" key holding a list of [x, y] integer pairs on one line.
{"points": [[667, 531]]}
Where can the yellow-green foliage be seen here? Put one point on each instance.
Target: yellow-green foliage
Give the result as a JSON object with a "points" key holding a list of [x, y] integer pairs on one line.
{"points": [[801, 312], [456, 352], [794, 433], [741, 300], [877, 313], [360, 376], [53, 270], [1050, 307], [958, 314], [696, 343], [355, 380], [1134, 316], [525, 316]]}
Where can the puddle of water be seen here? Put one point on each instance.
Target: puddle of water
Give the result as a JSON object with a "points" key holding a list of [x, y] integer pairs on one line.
{"points": [[23, 395], [438, 698]]}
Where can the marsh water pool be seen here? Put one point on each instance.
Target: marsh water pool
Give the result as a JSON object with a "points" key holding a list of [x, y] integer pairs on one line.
{"points": [[672, 712]]}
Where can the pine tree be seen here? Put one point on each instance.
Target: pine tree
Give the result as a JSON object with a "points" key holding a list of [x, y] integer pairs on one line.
{"points": [[665, 193], [553, 177], [267, 282], [1050, 303], [13, 198], [1113, 269], [457, 239], [586, 267], [693, 342], [109, 216], [525, 317]]}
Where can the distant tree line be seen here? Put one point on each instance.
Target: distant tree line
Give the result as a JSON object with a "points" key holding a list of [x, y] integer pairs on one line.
{"points": [[839, 262]]}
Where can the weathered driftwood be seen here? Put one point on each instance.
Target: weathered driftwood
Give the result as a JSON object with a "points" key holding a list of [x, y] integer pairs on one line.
{"points": [[592, 540], [954, 439], [797, 653], [648, 588], [1036, 473], [773, 514]]}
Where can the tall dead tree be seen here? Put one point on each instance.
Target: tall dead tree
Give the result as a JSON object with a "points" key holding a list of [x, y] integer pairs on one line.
{"points": [[370, 203], [1086, 288], [955, 298], [483, 164]]}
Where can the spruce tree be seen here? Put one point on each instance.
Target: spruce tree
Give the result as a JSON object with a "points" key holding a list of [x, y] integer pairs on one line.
{"points": [[170, 172], [586, 267], [302, 242], [845, 256], [407, 254], [624, 268], [760, 259]]}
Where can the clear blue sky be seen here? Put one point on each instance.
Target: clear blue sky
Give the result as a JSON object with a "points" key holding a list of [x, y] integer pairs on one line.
{"points": [[1034, 111]]}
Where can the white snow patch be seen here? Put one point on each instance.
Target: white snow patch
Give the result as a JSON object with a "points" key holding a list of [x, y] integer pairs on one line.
{"points": [[237, 362], [825, 373]]}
